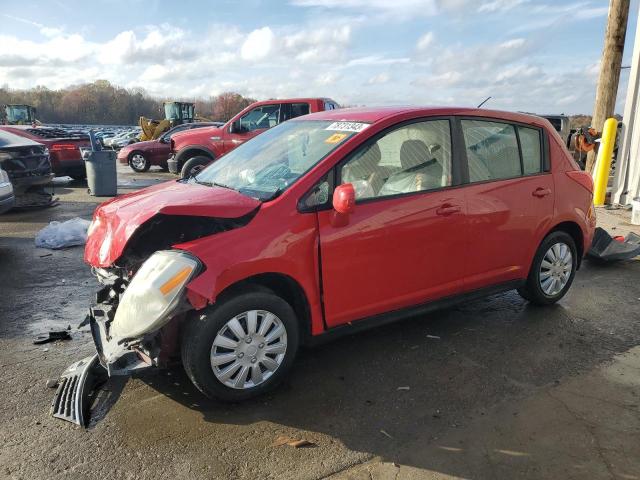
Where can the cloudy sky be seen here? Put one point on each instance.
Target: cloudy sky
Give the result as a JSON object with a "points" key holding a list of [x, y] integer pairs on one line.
{"points": [[532, 55]]}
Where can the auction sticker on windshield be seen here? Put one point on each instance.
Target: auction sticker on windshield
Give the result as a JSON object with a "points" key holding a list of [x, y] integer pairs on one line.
{"points": [[347, 126], [336, 138]]}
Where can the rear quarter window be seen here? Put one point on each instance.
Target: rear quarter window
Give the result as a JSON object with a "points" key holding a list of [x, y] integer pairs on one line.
{"points": [[530, 142]]}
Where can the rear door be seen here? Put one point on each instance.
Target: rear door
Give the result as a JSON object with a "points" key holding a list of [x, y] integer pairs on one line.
{"points": [[509, 198], [404, 243], [253, 123]]}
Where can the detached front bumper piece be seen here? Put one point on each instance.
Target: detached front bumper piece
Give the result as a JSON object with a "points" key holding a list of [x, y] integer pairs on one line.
{"points": [[72, 397]]}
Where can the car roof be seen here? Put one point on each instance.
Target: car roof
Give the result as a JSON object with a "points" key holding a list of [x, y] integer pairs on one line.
{"points": [[376, 114]]}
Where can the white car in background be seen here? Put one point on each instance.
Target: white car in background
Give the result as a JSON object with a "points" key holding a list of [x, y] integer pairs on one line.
{"points": [[122, 140], [7, 199]]}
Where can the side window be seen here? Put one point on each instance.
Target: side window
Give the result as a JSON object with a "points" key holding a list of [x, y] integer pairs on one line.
{"points": [[264, 116], [329, 106], [531, 151], [412, 158], [299, 109], [492, 150]]}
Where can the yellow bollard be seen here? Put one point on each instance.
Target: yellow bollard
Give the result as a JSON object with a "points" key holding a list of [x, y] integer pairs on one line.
{"points": [[603, 163]]}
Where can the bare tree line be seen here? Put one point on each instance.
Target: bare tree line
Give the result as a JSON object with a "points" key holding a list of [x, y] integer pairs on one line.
{"points": [[103, 103]]}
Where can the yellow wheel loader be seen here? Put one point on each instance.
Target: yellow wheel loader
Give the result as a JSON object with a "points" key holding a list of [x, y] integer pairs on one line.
{"points": [[16, 114], [175, 113]]}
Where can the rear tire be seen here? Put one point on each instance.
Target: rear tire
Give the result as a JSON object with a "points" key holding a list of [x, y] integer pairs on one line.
{"points": [[552, 270], [192, 166], [229, 336]]}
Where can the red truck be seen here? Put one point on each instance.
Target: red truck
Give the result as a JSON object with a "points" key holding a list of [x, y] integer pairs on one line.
{"points": [[192, 150], [64, 147]]}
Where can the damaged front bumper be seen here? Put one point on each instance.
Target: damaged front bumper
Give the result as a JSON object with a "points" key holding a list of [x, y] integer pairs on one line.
{"points": [[131, 321], [72, 397]]}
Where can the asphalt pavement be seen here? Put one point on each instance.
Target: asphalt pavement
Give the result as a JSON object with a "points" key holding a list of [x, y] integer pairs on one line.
{"points": [[493, 388]]}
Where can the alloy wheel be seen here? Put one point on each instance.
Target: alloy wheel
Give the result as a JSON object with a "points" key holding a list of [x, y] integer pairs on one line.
{"points": [[248, 349], [138, 161], [556, 269]]}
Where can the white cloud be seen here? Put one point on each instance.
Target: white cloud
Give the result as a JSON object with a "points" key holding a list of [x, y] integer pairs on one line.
{"points": [[379, 79], [499, 5], [258, 44], [424, 41]]}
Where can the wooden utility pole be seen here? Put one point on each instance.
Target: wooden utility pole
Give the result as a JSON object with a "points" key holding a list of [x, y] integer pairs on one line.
{"points": [[609, 68]]}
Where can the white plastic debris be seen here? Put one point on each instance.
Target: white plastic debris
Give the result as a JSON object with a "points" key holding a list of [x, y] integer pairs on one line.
{"points": [[63, 234]]}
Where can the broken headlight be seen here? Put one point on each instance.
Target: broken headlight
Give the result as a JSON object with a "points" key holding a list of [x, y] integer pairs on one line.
{"points": [[153, 294]]}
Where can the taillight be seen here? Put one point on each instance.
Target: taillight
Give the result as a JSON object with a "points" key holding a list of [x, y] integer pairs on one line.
{"points": [[59, 147], [583, 178]]}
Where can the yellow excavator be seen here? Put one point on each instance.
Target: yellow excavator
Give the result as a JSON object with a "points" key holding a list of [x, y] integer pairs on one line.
{"points": [[16, 114], [175, 113]]}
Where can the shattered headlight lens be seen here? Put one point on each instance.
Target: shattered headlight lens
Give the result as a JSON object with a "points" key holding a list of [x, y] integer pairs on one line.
{"points": [[153, 294]]}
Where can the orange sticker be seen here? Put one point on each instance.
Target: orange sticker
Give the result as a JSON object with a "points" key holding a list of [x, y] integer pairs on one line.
{"points": [[336, 138]]}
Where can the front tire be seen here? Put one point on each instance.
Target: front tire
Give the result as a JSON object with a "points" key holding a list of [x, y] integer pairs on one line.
{"points": [[192, 166], [242, 347], [138, 162], [552, 271]]}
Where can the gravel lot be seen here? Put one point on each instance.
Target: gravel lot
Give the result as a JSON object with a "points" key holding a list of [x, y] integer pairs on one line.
{"points": [[490, 389]]}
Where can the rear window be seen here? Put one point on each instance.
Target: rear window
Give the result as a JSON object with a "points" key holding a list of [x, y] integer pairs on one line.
{"points": [[492, 150]]}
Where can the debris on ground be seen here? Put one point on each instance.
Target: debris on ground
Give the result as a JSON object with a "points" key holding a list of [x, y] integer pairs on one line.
{"points": [[606, 248], [63, 234], [435, 337], [403, 388], [52, 383], [52, 336], [292, 442], [386, 434]]}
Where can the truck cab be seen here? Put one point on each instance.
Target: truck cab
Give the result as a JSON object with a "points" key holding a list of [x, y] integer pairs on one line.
{"points": [[193, 150]]}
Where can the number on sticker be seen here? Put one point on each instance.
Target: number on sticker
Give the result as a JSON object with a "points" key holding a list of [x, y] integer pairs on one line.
{"points": [[347, 126]]}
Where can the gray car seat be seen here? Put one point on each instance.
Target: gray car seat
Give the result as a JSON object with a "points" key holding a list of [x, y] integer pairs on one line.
{"points": [[420, 169]]}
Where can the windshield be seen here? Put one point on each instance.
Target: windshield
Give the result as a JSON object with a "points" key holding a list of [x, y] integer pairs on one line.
{"points": [[271, 162]]}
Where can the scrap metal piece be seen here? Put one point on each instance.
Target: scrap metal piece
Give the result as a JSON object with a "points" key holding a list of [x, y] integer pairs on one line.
{"points": [[76, 382], [52, 336], [607, 249]]}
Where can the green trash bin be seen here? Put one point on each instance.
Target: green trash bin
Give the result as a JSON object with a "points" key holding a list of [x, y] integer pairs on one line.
{"points": [[102, 176]]}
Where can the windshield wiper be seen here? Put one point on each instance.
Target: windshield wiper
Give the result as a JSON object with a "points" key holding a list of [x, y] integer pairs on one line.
{"points": [[213, 184]]}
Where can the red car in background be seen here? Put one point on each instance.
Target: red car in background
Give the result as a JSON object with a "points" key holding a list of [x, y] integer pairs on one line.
{"points": [[190, 151], [64, 148], [327, 224], [140, 156]]}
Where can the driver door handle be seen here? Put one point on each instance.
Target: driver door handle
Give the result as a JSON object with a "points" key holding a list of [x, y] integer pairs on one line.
{"points": [[541, 192], [447, 209]]}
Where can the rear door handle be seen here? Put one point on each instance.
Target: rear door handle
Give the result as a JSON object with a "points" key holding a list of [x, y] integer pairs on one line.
{"points": [[541, 192], [447, 209]]}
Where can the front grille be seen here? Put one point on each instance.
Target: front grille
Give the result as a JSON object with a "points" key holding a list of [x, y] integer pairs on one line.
{"points": [[64, 404]]}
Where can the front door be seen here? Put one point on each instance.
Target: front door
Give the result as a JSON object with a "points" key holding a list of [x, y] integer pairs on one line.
{"points": [[405, 242], [253, 123]]}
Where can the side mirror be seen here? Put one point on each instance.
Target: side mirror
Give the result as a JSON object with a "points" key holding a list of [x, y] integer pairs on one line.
{"points": [[344, 198]]}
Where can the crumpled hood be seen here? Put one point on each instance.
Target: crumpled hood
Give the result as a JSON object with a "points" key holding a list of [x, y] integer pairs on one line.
{"points": [[115, 221]]}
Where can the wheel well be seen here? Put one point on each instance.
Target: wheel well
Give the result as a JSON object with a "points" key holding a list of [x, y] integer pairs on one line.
{"points": [[283, 286], [574, 230], [194, 152]]}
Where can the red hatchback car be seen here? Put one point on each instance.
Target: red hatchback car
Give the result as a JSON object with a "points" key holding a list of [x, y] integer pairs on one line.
{"points": [[329, 223]]}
